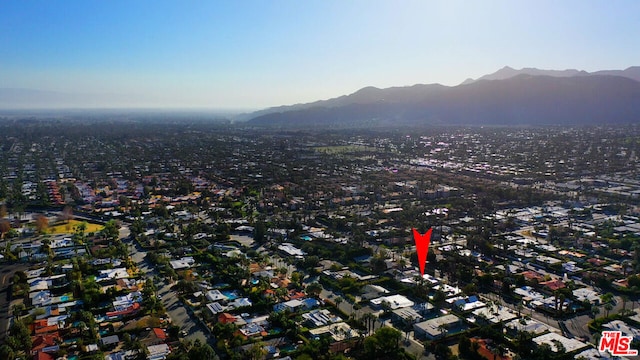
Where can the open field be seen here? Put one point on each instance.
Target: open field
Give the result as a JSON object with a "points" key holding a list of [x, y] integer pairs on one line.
{"points": [[67, 228]]}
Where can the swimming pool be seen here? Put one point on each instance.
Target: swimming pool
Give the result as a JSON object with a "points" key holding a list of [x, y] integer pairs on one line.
{"points": [[231, 295]]}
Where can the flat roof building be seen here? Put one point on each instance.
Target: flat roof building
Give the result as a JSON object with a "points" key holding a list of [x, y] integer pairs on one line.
{"points": [[435, 328]]}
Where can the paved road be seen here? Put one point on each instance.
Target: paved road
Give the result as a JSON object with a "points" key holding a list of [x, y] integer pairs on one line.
{"points": [[124, 233], [177, 311], [577, 326], [181, 316], [6, 276]]}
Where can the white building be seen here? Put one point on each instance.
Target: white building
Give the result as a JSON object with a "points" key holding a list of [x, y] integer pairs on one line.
{"points": [[394, 301], [435, 328], [570, 345]]}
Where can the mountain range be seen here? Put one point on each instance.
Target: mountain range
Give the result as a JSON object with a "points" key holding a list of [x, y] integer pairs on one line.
{"points": [[507, 97], [508, 72]]}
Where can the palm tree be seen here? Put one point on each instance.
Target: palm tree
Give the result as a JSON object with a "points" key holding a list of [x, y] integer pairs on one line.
{"points": [[402, 263], [370, 319], [561, 299], [624, 298], [338, 300], [607, 300], [409, 327], [443, 329], [17, 309], [608, 307]]}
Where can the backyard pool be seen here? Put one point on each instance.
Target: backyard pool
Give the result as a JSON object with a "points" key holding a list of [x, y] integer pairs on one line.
{"points": [[231, 295]]}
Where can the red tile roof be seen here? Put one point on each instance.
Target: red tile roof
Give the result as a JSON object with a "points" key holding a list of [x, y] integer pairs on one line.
{"points": [[160, 333], [42, 341], [41, 323], [530, 275], [553, 284], [486, 352], [296, 295], [226, 318], [46, 329], [595, 261], [128, 311]]}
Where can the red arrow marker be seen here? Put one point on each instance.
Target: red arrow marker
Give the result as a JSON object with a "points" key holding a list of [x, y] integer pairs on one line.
{"points": [[422, 245]]}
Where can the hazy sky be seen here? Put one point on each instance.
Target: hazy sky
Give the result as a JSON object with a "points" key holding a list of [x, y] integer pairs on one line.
{"points": [[254, 54]]}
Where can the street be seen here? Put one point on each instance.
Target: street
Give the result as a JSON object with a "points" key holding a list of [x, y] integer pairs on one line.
{"points": [[576, 326], [177, 310], [181, 316], [6, 276]]}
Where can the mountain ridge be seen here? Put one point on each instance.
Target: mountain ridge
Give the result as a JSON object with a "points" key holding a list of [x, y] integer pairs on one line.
{"points": [[509, 72], [523, 99], [632, 72], [372, 94]]}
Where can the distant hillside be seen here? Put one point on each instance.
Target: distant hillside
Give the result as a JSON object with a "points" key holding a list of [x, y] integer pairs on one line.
{"points": [[508, 72], [523, 99], [631, 73], [365, 95]]}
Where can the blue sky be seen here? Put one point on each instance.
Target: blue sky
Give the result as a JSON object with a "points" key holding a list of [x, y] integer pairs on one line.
{"points": [[255, 54]]}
